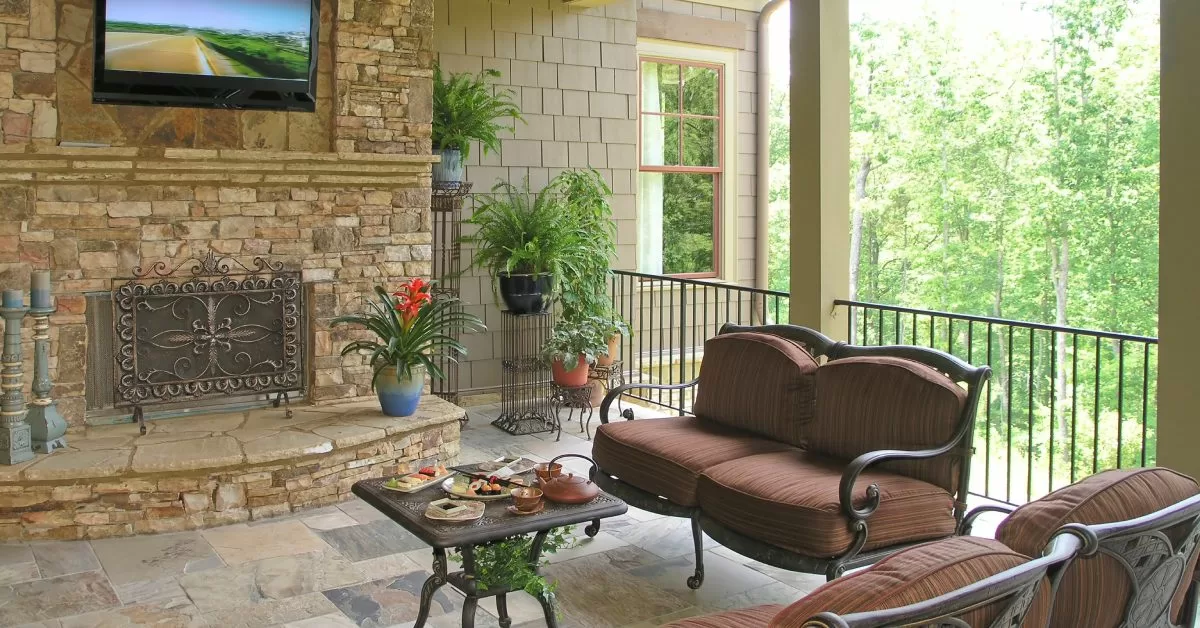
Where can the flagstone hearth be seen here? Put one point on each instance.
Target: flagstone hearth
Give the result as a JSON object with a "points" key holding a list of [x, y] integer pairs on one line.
{"points": [[209, 470]]}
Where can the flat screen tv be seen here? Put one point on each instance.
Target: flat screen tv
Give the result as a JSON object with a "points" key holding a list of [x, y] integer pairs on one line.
{"points": [[234, 54]]}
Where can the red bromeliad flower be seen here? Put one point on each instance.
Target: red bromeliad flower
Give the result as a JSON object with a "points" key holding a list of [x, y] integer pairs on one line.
{"points": [[413, 296]]}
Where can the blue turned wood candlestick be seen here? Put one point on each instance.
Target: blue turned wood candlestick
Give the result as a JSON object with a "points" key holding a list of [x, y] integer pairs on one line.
{"points": [[47, 426], [15, 446]]}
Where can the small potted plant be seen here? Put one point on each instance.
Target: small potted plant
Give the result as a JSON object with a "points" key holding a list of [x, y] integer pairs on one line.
{"points": [[415, 330], [527, 241], [465, 110], [571, 349], [612, 328]]}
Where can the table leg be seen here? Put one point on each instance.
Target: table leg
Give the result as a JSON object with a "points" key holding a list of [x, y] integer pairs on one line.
{"points": [[535, 553], [502, 609], [469, 606], [432, 584]]}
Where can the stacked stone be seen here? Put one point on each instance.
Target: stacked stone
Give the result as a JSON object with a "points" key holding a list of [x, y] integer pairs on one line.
{"points": [[165, 502], [28, 31], [384, 76]]}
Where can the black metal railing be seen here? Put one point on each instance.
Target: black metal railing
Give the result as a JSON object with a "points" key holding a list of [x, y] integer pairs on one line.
{"points": [[1062, 402], [670, 318]]}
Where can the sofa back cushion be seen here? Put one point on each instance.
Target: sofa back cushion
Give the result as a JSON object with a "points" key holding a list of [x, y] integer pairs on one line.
{"points": [[916, 575], [870, 403], [1106, 497], [757, 382]]}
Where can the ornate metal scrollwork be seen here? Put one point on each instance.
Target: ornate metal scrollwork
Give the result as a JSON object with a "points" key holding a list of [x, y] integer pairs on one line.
{"points": [[220, 331]]}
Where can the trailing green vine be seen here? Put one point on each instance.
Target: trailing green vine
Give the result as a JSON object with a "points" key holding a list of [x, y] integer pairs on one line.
{"points": [[506, 564]]}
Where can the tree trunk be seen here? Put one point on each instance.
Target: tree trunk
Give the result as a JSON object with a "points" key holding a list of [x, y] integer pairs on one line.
{"points": [[856, 223]]}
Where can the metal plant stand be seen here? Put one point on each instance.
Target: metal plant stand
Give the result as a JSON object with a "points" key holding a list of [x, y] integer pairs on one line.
{"points": [[571, 398], [446, 205], [15, 436], [47, 426], [612, 375], [525, 392]]}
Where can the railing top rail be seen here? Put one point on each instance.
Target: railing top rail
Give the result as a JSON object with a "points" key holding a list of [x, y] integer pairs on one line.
{"points": [[1001, 321], [701, 282]]}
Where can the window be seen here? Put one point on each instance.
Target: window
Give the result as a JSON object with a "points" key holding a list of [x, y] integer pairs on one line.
{"points": [[681, 167]]}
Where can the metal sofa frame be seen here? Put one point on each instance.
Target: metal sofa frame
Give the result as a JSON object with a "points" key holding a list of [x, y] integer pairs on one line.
{"points": [[857, 518]]}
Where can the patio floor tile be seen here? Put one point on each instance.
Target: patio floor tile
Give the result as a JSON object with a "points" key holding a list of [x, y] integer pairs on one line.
{"points": [[150, 557]]}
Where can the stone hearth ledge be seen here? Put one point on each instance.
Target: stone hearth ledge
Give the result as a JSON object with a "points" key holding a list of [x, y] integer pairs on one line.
{"points": [[195, 472]]}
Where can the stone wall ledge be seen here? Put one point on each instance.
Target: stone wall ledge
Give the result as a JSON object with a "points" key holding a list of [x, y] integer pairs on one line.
{"points": [[38, 151], [215, 469]]}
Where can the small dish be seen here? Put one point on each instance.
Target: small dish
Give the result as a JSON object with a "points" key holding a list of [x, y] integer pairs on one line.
{"points": [[458, 489], [523, 513], [531, 498], [454, 511], [546, 470], [410, 484]]}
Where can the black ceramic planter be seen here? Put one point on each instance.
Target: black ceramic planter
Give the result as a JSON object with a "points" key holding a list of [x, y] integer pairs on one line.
{"points": [[526, 294]]}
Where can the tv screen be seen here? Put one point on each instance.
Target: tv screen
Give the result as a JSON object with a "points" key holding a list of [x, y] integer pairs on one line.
{"points": [[218, 53]]}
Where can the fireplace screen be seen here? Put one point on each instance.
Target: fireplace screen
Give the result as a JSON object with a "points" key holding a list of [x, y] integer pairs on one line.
{"points": [[219, 328]]}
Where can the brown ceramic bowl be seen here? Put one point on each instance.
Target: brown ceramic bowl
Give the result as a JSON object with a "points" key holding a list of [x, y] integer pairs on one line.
{"points": [[526, 499], [546, 471]]}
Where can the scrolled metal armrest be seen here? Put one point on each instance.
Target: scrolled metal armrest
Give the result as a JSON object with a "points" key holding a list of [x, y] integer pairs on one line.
{"points": [[620, 390], [860, 464], [968, 522]]}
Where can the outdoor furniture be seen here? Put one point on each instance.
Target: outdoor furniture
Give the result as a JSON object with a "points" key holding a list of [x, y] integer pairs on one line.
{"points": [[1133, 535], [782, 460], [497, 524], [978, 582], [1141, 531], [571, 398]]}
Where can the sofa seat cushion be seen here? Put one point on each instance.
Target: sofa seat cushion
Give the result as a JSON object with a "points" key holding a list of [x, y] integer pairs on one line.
{"points": [[1106, 497], [754, 617], [866, 404], [917, 574], [758, 382], [790, 499], [666, 456]]}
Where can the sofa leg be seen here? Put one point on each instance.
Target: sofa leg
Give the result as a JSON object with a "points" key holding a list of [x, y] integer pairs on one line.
{"points": [[592, 529], [834, 571], [696, 580]]}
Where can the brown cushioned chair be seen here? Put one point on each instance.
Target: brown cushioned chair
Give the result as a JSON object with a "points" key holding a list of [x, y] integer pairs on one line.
{"points": [[980, 582], [807, 466], [1141, 528]]}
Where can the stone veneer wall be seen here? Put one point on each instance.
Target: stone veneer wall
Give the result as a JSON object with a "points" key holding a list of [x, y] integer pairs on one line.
{"points": [[175, 186], [73, 508]]}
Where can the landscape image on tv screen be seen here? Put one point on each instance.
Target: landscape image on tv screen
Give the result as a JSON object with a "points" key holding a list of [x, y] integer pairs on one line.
{"points": [[243, 38]]}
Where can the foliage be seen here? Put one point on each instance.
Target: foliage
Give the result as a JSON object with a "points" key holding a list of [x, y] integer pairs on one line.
{"points": [[1014, 174], [585, 285], [573, 340], [506, 564], [413, 328], [465, 110]]}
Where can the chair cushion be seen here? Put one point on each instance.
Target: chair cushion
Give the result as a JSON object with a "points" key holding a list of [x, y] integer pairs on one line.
{"points": [[757, 382], [870, 403], [790, 499], [666, 456], [915, 575], [1106, 497], [754, 617]]}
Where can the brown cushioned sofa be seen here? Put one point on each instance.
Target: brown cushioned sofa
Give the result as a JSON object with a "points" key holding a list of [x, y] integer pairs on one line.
{"points": [[803, 453], [1136, 533]]}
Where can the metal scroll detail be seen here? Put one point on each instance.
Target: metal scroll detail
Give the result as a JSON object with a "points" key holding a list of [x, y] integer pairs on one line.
{"points": [[222, 329]]}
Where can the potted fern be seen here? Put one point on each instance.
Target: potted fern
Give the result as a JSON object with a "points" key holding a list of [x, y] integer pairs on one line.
{"points": [[528, 241], [465, 110], [415, 330]]}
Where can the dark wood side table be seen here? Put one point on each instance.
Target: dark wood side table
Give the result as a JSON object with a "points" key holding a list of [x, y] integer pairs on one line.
{"points": [[497, 524]]}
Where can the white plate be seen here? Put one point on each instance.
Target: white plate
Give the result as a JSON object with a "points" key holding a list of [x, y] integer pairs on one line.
{"points": [[417, 487], [470, 511], [448, 486]]}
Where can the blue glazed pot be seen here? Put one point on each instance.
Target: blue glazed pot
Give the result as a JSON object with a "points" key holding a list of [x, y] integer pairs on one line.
{"points": [[400, 397]]}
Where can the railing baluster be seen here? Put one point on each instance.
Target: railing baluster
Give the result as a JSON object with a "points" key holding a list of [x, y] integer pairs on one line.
{"points": [[1145, 397], [1029, 422], [1074, 400], [1053, 400], [987, 468], [1096, 412], [1120, 401], [1008, 431]]}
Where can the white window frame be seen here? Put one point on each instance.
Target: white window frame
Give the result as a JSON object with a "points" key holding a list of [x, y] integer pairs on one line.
{"points": [[727, 229]]}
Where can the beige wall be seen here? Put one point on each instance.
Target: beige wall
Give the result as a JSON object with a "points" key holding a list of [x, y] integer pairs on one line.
{"points": [[575, 74], [1179, 226]]}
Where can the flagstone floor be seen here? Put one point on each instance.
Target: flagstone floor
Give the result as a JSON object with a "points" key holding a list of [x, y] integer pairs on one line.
{"points": [[347, 565]]}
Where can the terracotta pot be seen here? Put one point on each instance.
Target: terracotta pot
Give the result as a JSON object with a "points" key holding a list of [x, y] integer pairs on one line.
{"points": [[614, 349], [598, 392], [573, 378]]}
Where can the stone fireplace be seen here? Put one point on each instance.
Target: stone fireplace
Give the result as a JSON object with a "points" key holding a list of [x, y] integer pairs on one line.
{"points": [[90, 192]]}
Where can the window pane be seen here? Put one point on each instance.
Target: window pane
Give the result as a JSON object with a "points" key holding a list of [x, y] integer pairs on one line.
{"points": [[700, 142], [660, 140], [700, 91], [675, 223], [660, 87]]}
